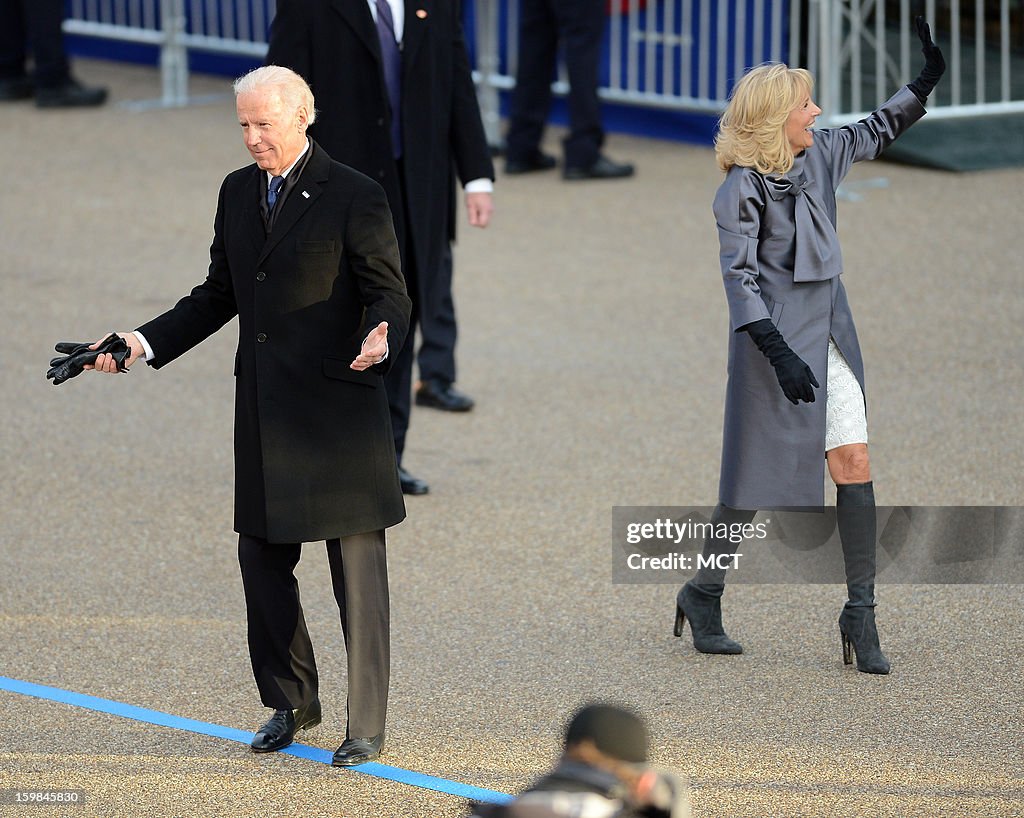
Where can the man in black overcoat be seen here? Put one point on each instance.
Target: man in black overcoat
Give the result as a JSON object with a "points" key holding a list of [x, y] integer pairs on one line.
{"points": [[396, 101], [305, 254]]}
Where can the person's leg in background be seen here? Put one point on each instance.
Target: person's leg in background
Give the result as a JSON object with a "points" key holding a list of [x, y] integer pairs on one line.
{"points": [[398, 380], [531, 97], [38, 24], [14, 80], [438, 330], [582, 25]]}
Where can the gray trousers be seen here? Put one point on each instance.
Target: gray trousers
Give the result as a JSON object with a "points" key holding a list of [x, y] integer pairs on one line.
{"points": [[279, 646]]}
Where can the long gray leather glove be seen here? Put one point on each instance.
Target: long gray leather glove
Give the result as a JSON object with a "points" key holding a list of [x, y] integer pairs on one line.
{"points": [[77, 356]]}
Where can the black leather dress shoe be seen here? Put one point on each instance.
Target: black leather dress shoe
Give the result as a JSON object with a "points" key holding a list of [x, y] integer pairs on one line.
{"points": [[444, 396], [358, 751], [18, 88], [410, 484], [70, 94], [280, 731], [538, 160], [603, 168]]}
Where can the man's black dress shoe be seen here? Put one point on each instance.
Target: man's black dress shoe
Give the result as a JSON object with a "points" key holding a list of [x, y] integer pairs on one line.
{"points": [[538, 160], [18, 88], [357, 751], [70, 94], [603, 168], [280, 731], [410, 484], [444, 396]]}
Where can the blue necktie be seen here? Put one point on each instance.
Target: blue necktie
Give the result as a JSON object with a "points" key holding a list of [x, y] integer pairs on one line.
{"points": [[392, 60], [273, 191]]}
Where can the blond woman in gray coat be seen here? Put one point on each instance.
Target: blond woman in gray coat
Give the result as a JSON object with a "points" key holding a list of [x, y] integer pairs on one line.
{"points": [[795, 395]]}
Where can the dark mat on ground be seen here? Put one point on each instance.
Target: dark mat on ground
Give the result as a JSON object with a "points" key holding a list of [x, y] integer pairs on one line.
{"points": [[963, 144]]}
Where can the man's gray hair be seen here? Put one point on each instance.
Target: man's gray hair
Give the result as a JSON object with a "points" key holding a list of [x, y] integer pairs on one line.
{"points": [[293, 89]]}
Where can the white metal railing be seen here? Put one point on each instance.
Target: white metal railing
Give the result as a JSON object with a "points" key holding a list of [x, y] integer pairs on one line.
{"points": [[674, 54], [229, 27], [872, 49]]}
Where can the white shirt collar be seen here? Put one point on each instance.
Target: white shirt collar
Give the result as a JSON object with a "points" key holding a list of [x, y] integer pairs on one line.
{"points": [[397, 15]]}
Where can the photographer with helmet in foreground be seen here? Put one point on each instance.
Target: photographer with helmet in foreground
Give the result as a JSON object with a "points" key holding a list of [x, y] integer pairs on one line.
{"points": [[602, 773]]}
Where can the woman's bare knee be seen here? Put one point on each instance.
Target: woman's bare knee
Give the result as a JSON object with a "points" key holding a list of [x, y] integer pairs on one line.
{"points": [[849, 464]]}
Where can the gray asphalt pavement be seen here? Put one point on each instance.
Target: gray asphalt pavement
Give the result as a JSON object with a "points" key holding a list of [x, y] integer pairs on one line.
{"points": [[593, 337]]}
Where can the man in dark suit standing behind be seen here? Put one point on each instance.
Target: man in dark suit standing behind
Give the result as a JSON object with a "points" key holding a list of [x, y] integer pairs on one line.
{"points": [[304, 253], [397, 102]]}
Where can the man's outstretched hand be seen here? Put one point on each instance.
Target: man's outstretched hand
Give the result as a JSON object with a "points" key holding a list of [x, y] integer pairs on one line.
{"points": [[374, 350], [114, 353]]}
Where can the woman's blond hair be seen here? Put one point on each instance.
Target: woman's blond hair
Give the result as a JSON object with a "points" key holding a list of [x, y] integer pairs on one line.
{"points": [[752, 131]]}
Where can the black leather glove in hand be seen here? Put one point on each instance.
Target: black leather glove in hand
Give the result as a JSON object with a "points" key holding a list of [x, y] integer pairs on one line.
{"points": [[76, 356], [934, 63], [795, 377]]}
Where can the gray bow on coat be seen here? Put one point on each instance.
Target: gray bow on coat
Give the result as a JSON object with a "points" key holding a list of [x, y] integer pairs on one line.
{"points": [[818, 256]]}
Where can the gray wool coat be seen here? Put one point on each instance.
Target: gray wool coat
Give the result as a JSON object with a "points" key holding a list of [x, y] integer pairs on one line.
{"points": [[781, 260]]}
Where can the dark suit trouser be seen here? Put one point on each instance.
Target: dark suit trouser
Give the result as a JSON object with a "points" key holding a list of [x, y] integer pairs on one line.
{"points": [[36, 24], [580, 26], [433, 310], [279, 646], [436, 357], [398, 379]]}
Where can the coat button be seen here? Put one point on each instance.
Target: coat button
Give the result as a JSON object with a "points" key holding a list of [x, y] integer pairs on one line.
{"points": [[261, 337], [260, 275], [380, 174], [380, 122]]}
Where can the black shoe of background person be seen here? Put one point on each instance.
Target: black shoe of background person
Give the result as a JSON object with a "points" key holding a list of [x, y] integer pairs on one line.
{"points": [[538, 160], [280, 731], [17, 88], [355, 751], [603, 168], [410, 484], [70, 94], [440, 395]]}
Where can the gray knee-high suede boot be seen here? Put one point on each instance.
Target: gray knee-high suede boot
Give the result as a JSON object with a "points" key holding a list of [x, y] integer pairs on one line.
{"points": [[700, 599], [855, 516]]}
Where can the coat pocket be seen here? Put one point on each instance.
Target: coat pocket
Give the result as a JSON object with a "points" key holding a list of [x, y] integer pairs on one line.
{"points": [[315, 246], [774, 309], [339, 370]]}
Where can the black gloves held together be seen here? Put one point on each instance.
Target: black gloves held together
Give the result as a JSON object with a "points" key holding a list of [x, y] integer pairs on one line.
{"points": [[934, 63], [795, 377], [76, 356]]}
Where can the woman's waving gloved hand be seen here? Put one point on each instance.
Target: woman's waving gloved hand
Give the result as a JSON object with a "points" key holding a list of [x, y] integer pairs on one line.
{"points": [[934, 62]]}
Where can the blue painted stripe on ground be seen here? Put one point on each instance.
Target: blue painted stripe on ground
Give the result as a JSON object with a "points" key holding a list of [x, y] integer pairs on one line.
{"points": [[129, 711]]}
